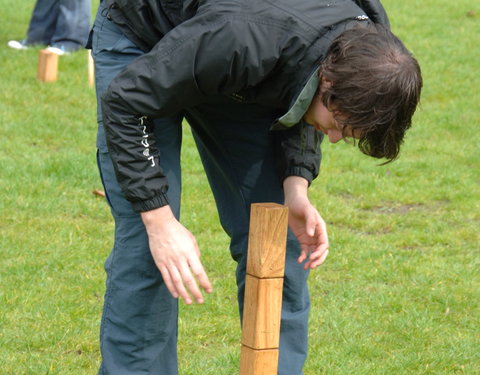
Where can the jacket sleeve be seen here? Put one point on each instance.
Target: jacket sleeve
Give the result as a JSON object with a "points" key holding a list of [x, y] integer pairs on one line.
{"points": [[195, 60], [298, 151], [375, 11]]}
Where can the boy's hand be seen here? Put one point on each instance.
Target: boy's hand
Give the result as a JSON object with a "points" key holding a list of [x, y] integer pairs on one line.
{"points": [[306, 223], [176, 254]]}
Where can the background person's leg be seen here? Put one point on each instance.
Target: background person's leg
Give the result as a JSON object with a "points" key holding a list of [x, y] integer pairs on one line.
{"points": [[43, 22], [72, 25], [236, 149], [139, 321]]}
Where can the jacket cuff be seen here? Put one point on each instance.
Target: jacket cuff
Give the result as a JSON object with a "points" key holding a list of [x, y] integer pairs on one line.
{"points": [[157, 201], [300, 172]]}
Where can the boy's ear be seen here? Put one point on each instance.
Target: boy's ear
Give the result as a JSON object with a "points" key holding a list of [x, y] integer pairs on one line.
{"points": [[326, 83]]}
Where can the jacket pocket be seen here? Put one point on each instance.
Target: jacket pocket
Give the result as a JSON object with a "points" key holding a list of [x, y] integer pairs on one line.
{"points": [[107, 37]]}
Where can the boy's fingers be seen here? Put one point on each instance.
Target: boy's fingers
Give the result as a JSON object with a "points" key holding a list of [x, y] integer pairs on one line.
{"points": [[189, 282], [304, 251], [315, 263], [200, 275], [168, 281], [178, 282]]}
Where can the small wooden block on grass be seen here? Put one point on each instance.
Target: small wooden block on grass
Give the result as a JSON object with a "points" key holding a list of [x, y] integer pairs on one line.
{"points": [[47, 66], [90, 69]]}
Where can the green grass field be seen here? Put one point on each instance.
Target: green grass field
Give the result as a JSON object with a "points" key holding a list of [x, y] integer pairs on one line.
{"points": [[399, 293]]}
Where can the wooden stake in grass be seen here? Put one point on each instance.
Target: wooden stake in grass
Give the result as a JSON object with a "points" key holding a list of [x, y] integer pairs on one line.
{"points": [[90, 69], [263, 289], [47, 66]]}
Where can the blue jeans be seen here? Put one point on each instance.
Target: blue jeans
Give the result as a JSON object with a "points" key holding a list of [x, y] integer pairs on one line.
{"points": [[60, 23], [139, 323]]}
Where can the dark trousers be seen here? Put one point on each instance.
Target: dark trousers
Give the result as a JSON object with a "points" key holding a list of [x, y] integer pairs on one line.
{"points": [[60, 23], [139, 323]]}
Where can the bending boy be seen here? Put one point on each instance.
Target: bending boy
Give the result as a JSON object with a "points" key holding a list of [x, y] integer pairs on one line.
{"points": [[260, 83]]}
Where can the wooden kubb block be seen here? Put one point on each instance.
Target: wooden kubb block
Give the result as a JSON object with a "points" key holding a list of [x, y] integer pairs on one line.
{"points": [[47, 66], [262, 312], [267, 239], [90, 69], [258, 362]]}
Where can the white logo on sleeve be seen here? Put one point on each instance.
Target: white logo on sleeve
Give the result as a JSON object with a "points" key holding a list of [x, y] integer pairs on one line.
{"points": [[145, 144]]}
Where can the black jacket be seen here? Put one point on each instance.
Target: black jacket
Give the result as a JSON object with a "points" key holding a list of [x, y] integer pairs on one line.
{"points": [[254, 51]]}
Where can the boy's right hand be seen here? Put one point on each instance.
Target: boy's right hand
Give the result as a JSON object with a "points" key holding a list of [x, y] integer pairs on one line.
{"points": [[176, 254]]}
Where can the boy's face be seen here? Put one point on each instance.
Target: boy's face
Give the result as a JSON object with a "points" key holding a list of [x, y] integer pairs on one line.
{"points": [[323, 120]]}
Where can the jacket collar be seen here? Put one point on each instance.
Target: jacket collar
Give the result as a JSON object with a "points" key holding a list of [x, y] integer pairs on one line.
{"points": [[300, 105]]}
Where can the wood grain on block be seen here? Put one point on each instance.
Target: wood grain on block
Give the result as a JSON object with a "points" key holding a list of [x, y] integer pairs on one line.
{"points": [[258, 362], [267, 240], [47, 66], [261, 312]]}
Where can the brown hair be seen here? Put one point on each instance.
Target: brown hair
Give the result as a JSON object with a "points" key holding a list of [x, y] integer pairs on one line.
{"points": [[376, 84]]}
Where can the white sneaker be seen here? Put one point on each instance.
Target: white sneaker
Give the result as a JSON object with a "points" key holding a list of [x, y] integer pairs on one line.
{"points": [[15, 44], [58, 51]]}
